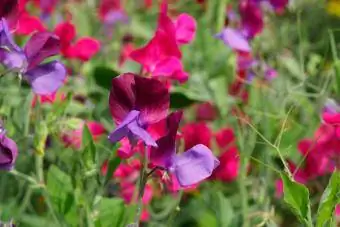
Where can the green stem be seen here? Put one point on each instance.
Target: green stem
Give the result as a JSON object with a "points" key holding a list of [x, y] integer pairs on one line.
{"points": [[143, 177], [243, 191], [221, 15], [39, 162], [24, 176]]}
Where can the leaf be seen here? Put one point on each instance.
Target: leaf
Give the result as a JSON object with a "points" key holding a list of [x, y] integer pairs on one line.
{"points": [[59, 187], [111, 167], [110, 212], [328, 201], [103, 76], [89, 149], [179, 100], [297, 196]]}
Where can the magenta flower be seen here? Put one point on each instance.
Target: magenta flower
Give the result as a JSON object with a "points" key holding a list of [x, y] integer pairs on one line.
{"points": [[136, 102], [44, 78], [190, 167], [161, 57], [251, 18], [8, 151]]}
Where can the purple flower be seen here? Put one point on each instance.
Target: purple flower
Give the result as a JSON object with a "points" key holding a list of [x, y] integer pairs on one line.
{"points": [[136, 102], [8, 151], [190, 167], [44, 78], [234, 39]]}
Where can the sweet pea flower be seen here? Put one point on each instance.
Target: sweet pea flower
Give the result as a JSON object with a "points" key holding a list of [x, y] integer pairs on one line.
{"points": [[251, 18], [234, 39], [196, 133], [161, 57], [45, 78], [229, 165], [135, 103], [74, 138], [189, 167], [8, 151], [83, 49]]}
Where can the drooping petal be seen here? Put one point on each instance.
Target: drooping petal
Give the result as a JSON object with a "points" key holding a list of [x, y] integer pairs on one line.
{"points": [[122, 130], [152, 100], [10, 54], [8, 153], [40, 46], [163, 154], [194, 165], [46, 78], [122, 96], [141, 134], [234, 39], [84, 49], [185, 28]]}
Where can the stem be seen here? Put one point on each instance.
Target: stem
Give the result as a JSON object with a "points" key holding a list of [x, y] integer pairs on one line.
{"points": [[143, 177], [243, 192], [39, 159], [23, 176]]}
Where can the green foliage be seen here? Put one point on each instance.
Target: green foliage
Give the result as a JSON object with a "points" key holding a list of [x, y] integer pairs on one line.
{"points": [[330, 198], [297, 197]]}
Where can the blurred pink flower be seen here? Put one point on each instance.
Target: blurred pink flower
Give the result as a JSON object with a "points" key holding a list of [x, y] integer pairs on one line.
{"points": [[229, 165], [74, 138], [196, 133], [83, 49]]}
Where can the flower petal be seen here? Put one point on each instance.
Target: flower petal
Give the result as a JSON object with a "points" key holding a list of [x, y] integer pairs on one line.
{"points": [[66, 32], [185, 28], [142, 134], [122, 96], [46, 78], [171, 68], [84, 49], [163, 154], [122, 130], [194, 165], [40, 46], [28, 24], [8, 153], [152, 100], [234, 39]]}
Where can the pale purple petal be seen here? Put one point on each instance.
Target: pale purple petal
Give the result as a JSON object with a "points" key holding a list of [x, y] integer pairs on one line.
{"points": [[40, 46], [194, 165], [122, 130], [234, 39], [142, 134], [46, 78], [115, 16]]}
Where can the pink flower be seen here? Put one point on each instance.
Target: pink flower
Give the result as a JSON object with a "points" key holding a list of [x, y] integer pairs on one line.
{"points": [[225, 137], [196, 133], [27, 24], [337, 210], [251, 18], [48, 99], [229, 165], [74, 138], [83, 49], [161, 57]]}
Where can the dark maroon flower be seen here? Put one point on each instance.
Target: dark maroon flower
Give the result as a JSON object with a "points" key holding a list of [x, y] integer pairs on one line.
{"points": [[136, 102], [251, 18], [8, 7]]}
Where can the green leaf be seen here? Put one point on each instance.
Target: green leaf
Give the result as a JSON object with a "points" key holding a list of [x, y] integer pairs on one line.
{"points": [[110, 212], [89, 149], [179, 100], [103, 76], [59, 187], [329, 201], [297, 196], [111, 167]]}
